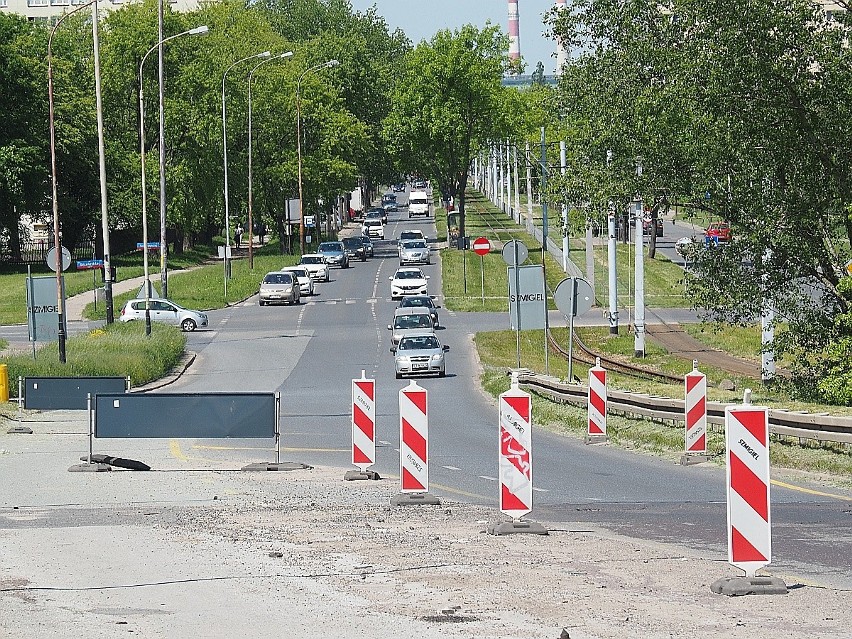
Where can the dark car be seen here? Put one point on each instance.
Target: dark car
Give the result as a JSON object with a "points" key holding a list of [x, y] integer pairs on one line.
{"points": [[399, 187], [421, 301], [389, 202], [355, 248], [376, 213], [368, 244]]}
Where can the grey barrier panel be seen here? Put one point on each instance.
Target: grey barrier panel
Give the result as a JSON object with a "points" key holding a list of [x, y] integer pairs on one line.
{"points": [[68, 393], [185, 415]]}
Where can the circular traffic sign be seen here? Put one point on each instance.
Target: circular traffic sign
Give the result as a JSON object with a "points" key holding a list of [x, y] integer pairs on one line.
{"points": [[515, 252], [481, 246], [51, 258], [573, 296]]}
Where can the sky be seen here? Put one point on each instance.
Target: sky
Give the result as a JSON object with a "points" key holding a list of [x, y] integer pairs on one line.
{"points": [[420, 19]]}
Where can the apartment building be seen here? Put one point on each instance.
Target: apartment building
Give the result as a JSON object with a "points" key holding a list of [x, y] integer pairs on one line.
{"points": [[49, 10]]}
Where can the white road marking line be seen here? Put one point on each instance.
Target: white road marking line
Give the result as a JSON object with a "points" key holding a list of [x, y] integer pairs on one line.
{"points": [[384, 443], [488, 478], [540, 490], [451, 468], [351, 301], [332, 302]]}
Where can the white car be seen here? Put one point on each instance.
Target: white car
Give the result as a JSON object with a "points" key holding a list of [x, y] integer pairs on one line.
{"points": [[163, 310], [408, 281], [306, 282], [373, 228], [316, 265], [409, 234]]}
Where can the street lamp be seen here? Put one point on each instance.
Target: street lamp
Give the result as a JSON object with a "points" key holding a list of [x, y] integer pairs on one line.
{"points": [[196, 31], [264, 54], [60, 299], [324, 65], [288, 54]]}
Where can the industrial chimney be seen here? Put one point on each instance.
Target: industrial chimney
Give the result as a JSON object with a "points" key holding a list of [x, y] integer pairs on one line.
{"points": [[561, 51], [514, 32]]}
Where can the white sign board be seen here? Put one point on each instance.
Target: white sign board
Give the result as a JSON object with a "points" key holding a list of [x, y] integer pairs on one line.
{"points": [[43, 308], [529, 305]]}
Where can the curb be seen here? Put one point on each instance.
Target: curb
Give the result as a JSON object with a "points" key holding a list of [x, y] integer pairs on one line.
{"points": [[186, 360]]}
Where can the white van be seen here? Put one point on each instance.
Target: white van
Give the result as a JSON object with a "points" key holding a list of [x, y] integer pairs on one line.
{"points": [[418, 204]]}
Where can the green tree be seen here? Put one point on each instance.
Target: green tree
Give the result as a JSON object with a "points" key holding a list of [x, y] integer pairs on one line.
{"points": [[447, 105]]}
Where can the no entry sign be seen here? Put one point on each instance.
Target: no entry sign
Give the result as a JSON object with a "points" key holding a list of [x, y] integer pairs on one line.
{"points": [[481, 246]]}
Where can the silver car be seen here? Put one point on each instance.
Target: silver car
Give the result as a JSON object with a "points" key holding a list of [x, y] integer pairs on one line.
{"points": [[303, 276], [419, 354], [414, 252], [315, 265], [279, 288], [163, 310], [410, 320]]}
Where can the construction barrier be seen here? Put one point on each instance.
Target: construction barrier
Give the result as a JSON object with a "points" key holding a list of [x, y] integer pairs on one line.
{"points": [[414, 439], [597, 404], [363, 422], [515, 461]]}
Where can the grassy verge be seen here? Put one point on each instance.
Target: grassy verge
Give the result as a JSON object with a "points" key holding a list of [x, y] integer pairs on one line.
{"points": [[203, 287], [663, 278], [497, 353], [117, 350]]}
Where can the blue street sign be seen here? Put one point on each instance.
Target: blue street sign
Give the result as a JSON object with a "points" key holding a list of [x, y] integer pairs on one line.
{"points": [[89, 264], [152, 246]]}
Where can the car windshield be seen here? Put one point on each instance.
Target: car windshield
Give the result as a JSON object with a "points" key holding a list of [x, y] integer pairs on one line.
{"points": [[330, 247], [409, 275], [420, 342], [352, 242], [413, 321], [375, 213], [409, 235], [415, 244], [278, 278], [416, 301], [373, 223], [298, 272], [312, 260]]}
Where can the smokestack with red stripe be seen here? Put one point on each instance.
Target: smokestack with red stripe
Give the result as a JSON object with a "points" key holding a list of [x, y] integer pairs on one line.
{"points": [[514, 32], [561, 52]]}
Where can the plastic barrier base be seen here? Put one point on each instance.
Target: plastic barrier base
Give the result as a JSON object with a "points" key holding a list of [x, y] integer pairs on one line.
{"points": [[739, 586], [596, 439], [517, 527], [269, 466], [89, 468], [20, 430], [688, 459], [415, 499], [357, 475]]}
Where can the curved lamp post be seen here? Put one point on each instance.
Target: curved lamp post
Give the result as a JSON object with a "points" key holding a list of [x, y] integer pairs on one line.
{"points": [[264, 54], [324, 65], [196, 31], [288, 54]]}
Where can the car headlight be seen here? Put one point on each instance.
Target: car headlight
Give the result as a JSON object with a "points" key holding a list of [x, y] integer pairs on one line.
{"points": [[437, 357], [402, 359]]}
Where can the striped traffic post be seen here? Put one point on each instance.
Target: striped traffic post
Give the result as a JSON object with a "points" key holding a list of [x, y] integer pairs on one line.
{"points": [[515, 462], [414, 447], [363, 428], [749, 518], [695, 417], [597, 404]]}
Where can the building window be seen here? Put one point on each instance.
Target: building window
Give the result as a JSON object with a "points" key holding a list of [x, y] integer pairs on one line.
{"points": [[60, 3], [37, 3], [2, 3]]}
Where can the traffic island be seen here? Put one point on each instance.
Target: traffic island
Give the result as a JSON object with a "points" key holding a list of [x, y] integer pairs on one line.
{"points": [[739, 586], [517, 527]]}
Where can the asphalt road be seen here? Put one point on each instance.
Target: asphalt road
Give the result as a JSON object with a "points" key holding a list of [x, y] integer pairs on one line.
{"points": [[310, 353]]}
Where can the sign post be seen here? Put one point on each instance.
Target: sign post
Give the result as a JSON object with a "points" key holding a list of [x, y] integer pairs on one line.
{"points": [[481, 246], [515, 253], [414, 448], [573, 296], [749, 519], [516, 462], [363, 429]]}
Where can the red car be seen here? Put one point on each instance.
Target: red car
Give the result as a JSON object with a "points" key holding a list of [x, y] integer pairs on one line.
{"points": [[718, 232]]}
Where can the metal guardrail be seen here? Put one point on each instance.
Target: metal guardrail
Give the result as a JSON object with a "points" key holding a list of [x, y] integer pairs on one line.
{"points": [[815, 426]]}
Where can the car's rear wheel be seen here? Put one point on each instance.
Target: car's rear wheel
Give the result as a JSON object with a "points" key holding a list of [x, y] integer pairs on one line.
{"points": [[187, 325]]}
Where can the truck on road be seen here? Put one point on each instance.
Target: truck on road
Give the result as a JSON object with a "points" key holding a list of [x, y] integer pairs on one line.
{"points": [[418, 204]]}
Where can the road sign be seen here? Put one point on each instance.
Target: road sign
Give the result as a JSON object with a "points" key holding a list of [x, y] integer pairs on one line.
{"points": [[51, 259], [363, 422], [83, 265], [848, 267], [152, 246], [597, 404], [749, 521], [481, 246], [515, 462], [414, 439], [695, 412], [527, 298], [573, 296], [515, 252], [309, 221]]}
